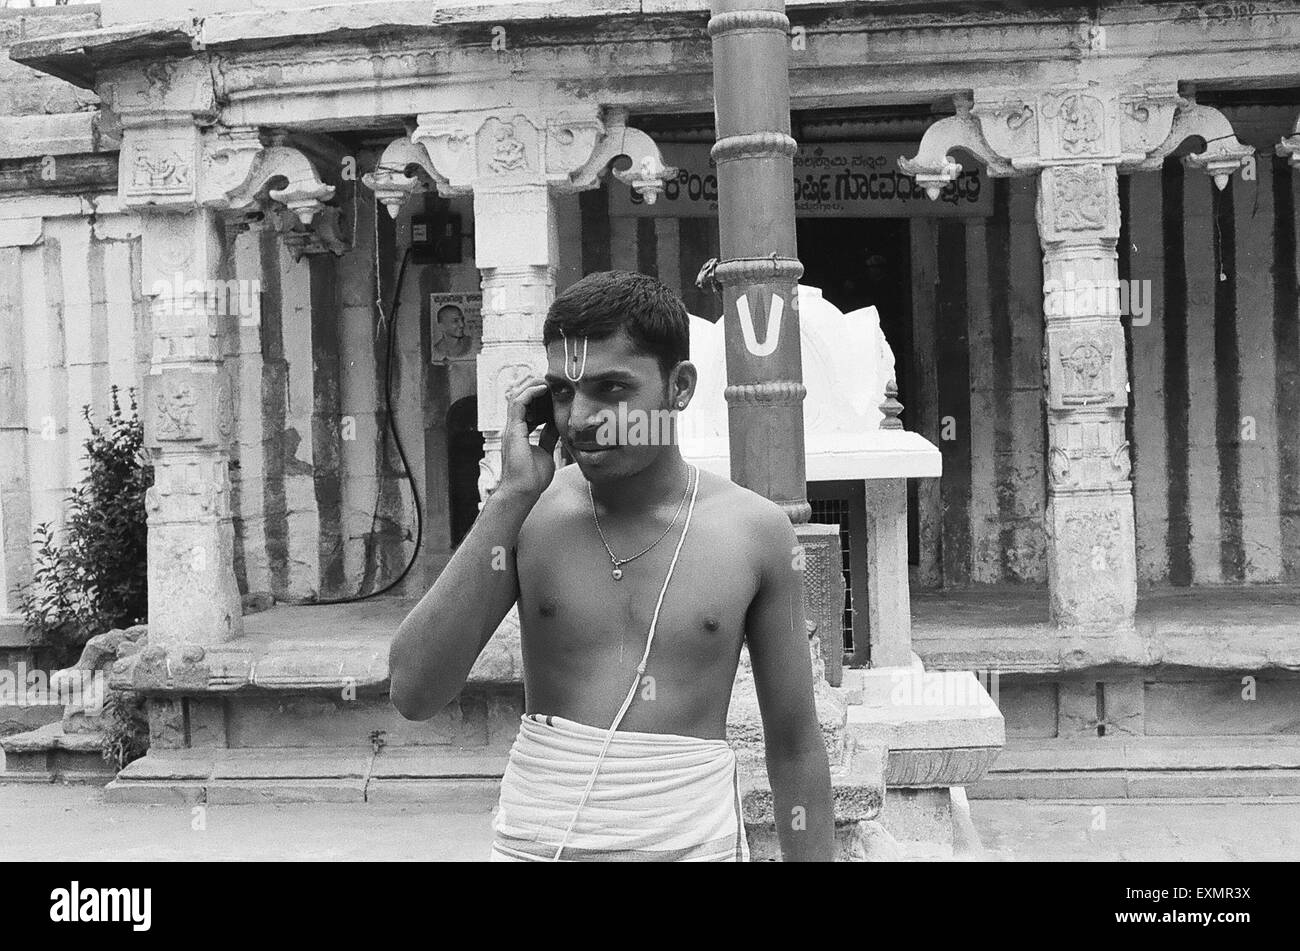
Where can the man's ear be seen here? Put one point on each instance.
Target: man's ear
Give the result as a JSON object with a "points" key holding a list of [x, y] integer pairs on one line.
{"points": [[681, 384]]}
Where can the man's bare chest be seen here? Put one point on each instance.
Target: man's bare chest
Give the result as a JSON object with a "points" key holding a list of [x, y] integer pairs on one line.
{"points": [[571, 602]]}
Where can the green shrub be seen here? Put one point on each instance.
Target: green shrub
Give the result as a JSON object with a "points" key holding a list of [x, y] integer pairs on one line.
{"points": [[96, 577]]}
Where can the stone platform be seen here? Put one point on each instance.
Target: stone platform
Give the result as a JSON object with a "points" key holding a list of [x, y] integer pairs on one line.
{"points": [[48, 755], [1006, 628]]}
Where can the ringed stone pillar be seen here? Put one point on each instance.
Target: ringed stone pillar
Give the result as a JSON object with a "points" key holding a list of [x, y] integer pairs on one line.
{"points": [[514, 161], [759, 270], [1077, 139]]}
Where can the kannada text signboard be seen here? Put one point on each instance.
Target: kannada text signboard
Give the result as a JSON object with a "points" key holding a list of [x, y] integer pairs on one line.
{"points": [[831, 180]]}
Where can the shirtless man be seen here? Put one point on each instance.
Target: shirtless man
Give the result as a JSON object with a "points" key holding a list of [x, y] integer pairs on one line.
{"points": [[621, 752]]}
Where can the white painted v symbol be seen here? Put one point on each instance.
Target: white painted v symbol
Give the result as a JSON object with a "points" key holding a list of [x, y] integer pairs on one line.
{"points": [[768, 346]]}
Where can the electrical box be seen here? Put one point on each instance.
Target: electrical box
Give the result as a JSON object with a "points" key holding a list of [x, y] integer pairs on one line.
{"points": [[436, 238]]}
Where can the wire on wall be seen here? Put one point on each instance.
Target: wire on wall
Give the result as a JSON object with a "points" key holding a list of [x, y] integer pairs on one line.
{"points": [[388, 322]]}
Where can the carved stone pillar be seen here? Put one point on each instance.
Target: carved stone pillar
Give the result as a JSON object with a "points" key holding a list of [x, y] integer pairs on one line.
{"points": [[513, 162], [1078, 139], [1091, 565], [186, 404], [182, 181]]}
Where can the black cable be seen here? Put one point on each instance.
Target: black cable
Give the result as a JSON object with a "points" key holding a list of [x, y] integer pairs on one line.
{"points": [[401, 452]]}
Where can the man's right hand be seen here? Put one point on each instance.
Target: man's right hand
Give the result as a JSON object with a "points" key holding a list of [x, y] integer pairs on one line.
{"points": [[526, 470]]}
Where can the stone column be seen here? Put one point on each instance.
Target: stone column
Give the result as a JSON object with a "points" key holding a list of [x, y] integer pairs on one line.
{"points": [[186, 403], [1077, 139], [1091, 548], [183, 181], [514, 162]]}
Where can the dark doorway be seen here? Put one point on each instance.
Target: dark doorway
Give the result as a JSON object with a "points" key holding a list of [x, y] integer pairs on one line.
{"points": [[464, 450], [861, 262]]}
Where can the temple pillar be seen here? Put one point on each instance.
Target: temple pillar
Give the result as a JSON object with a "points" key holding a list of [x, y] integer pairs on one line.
{"points": [[516, 252], [1091, 540], [187, 404], [185, 182], [1077, 139], [193, 598]]}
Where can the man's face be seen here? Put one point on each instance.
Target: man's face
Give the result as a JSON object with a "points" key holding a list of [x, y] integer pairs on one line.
{"points": [[615, 373], [452, 320]]}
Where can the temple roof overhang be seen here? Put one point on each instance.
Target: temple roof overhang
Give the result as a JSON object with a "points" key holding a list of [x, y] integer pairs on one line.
{"points": [[656, 52], [74, 57]]}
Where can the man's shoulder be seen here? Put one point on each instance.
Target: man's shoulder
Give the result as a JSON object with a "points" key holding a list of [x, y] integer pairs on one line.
{"points": [[561, 498], [755, 512]]}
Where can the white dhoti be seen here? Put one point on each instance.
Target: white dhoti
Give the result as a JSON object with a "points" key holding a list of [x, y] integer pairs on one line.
{"points": [[658, 797]]}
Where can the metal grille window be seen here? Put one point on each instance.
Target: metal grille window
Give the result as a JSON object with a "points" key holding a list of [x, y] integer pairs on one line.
{"points": [[830, 511]]}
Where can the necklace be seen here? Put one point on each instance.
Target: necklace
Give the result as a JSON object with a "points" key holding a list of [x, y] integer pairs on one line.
{"points": [[616, 563]]}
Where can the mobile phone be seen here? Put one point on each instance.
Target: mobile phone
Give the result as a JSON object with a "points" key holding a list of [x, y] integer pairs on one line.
{"points": [[540, 411]]}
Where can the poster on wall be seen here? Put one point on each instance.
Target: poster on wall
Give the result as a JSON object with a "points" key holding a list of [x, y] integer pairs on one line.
{"points": [[455, 327], [831, 180]]}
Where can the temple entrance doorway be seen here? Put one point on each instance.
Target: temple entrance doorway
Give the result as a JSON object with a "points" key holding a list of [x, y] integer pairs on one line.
{"points": [[861, 262]]}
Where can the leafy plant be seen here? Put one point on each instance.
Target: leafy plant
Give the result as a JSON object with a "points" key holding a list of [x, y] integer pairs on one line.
{"points": [[96, 578], [125, 728]]}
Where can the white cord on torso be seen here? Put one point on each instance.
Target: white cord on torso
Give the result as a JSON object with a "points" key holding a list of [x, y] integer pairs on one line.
{"points": [[640, 670]]}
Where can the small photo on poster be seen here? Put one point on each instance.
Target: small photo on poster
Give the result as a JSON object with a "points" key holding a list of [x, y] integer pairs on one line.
{"points": [[456, 326]]}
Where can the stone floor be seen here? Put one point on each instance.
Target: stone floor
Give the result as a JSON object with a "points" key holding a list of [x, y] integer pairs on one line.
{"points": [[71, 822]]}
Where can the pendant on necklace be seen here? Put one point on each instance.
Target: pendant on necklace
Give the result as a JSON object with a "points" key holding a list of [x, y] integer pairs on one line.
{"points": [[617, 573]]}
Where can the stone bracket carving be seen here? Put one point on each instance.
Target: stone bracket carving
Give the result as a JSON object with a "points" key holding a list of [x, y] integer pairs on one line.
{"points": [[647, 172], [392, 180], [285, 175], [933, 166], [1222, 155], [1132, 128], [449, 140], [276, 184], [569, 151]]}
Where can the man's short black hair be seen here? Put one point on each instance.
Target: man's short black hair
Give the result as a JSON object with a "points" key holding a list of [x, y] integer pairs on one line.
{"points": [[601, 304]]}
